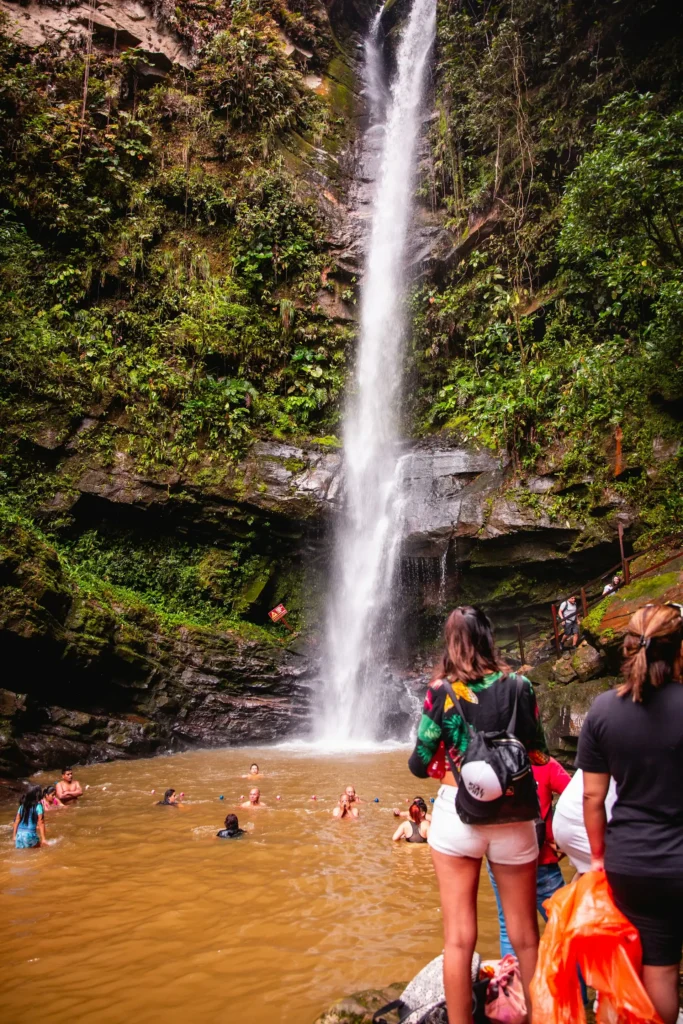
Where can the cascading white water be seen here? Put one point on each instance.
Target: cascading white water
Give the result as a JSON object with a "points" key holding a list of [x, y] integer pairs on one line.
{"points": [[369, 533]]}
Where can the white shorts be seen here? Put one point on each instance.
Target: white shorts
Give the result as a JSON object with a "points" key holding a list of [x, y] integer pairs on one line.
{"points": [[572, 839], [502, 844]]}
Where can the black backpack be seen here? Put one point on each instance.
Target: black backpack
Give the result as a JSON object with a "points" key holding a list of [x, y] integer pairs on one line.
{"points": [[507, 757]]}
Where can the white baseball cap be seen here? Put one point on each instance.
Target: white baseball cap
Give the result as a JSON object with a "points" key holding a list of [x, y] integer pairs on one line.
{"points": [[481, 781]]}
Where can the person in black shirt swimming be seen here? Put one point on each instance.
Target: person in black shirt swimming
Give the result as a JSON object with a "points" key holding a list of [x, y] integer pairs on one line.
{"points": [[635, 734], [170, 799], [232, 828]]}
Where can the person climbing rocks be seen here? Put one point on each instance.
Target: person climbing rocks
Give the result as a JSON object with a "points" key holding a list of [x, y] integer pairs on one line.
{"points": [[416, 829], [232, 828], [68, 789], [569, 615], [254, 800]]}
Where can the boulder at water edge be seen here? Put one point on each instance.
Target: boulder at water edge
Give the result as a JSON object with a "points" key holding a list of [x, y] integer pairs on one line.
{"points": [[587, 663]]}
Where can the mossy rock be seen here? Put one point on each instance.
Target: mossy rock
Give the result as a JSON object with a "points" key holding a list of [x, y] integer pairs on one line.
{"points": [[605, 625], [359, 1008]]}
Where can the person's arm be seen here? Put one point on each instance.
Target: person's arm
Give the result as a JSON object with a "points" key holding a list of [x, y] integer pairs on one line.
{"points": [[595, 786], [355, 813], [592, 759], [41, 829], [78, 791], [16, 825], [60, 789], [429, 733], [400, 832]]}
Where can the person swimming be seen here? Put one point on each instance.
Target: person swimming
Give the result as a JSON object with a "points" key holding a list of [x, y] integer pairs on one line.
{"points": [[170, 799], [353, 797], [232, 828], [345, 808], [421, 802], [254, 772], [416, 829], [254, 799], [50, 800]]}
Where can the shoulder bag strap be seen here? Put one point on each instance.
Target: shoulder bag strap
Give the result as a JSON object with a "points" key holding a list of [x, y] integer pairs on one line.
{"points": [[456, 700]]}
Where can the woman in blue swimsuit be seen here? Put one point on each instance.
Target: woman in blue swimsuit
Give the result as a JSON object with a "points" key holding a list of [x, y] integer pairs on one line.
{"points": [[29, 824]]}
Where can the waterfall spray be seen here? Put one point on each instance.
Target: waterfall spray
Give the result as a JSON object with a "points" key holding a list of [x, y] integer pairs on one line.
{"points": [[369, 532]]}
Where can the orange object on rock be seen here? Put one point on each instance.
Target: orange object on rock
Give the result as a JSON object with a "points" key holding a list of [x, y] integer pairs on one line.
{"points": [[586, 931]]}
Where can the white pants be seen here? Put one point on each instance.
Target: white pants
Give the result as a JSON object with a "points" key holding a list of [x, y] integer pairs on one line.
{"points": [[502, 844]]}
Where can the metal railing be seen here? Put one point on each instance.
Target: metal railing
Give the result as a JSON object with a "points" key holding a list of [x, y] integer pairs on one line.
{"points": [[590, 597]]}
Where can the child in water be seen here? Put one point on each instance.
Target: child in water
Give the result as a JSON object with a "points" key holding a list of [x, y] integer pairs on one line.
{"points": [[232, 828], [51, 801], [29, 824]]}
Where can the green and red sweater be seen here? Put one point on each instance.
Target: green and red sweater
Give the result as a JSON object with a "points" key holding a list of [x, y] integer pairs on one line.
{"points": [[489, 708]]}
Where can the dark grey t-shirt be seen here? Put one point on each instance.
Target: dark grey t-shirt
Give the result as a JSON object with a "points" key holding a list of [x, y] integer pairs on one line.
{"points": [[641, 746]]}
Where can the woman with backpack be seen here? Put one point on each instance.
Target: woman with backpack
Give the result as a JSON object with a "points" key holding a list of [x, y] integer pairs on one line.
{"points": [[635, 735], [472, 694]]}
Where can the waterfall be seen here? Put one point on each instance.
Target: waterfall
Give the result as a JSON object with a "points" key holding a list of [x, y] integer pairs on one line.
{"points": [[369, 529]]}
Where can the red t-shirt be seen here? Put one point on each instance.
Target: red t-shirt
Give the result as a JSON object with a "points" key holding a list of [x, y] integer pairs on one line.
{"points": [[550, 778]]}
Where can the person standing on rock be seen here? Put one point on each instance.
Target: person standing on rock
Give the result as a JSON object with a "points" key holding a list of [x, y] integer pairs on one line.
{"points": [[569, 614], [635, 735], [472, 692], [68, 789]]}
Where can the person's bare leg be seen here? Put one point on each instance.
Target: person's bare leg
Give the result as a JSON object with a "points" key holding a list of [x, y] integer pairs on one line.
{"points": [[517, 888], [458, 879], [661, 984]]}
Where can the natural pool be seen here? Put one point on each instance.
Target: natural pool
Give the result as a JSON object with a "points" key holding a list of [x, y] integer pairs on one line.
{"points": [[137, 913]]}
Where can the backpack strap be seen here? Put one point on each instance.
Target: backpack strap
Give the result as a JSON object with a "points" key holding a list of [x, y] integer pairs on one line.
{"points": [[396, 1004], [519, 686]]}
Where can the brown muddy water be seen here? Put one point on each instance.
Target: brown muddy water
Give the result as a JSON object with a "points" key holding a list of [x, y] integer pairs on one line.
{"points": [[136, 913]]}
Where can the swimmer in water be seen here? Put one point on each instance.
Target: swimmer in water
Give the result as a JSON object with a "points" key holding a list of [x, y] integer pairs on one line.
{"points": [[51, 801], [406, 814], [254, 773], [254, 799], [68, 789], [416, 829], [170, 799], [345, 809], [232, 828], [351, 793]]}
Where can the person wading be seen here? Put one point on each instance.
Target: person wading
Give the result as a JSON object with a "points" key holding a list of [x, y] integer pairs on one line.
{"points": [[490, 700], [635, 735]]}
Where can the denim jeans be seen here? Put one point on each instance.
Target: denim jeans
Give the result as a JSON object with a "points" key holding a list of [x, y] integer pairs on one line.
{"points": [[548, 880]]}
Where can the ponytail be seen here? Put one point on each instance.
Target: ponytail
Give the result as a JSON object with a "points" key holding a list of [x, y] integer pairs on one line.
{"points": [[415, 812], [652, 649]]}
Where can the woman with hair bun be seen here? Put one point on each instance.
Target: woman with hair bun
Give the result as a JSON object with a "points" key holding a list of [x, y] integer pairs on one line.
{"points": [[487, 699], [635, 734]]}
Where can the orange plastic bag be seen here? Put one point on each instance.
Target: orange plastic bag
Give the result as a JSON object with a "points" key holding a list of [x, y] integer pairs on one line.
{"points": [[586, 930]]}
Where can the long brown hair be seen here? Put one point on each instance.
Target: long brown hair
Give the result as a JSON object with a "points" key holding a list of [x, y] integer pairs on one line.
{"points": [[469, 648], [652, 649]]}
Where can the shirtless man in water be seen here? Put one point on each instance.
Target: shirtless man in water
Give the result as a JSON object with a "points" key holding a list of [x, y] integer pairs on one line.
{"points": [[354, 800], [68, 789], [254, 799], [254, 772]]}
